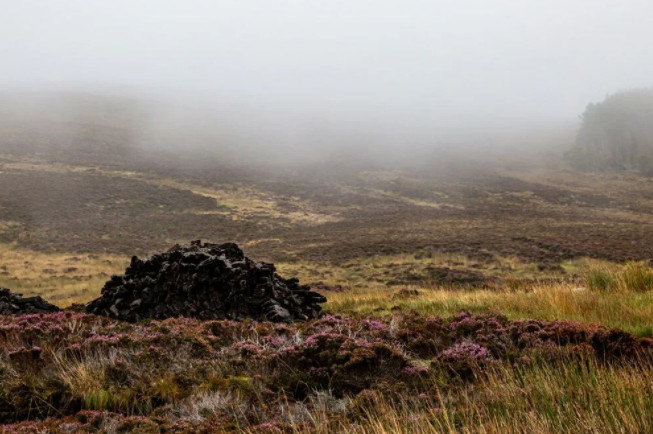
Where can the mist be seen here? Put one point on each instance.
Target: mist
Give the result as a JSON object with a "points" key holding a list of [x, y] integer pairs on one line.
{"points": [[290, 80]]}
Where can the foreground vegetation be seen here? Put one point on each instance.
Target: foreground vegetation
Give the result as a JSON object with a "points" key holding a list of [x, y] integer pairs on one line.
{"points": [[392, 358], [402, 373], [560, 398], [557, 398]]}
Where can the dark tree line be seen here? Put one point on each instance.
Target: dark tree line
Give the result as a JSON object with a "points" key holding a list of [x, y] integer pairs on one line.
{"points": [[617, 134]]}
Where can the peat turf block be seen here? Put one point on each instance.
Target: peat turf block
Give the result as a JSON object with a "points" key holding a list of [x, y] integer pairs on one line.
{"points": [[12, 303], [205, 281]]}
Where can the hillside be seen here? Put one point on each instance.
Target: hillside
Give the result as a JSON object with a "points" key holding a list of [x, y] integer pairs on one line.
{"points": [[463, 297]]}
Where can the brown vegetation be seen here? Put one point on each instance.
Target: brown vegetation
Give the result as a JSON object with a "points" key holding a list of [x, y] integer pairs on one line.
{"points": [[239, 375]]}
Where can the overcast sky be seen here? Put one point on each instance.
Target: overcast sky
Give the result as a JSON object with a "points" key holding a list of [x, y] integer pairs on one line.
{"points": [[417, 65]]}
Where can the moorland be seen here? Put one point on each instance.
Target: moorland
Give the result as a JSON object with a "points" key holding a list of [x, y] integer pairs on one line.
{"points": [[515, 296]]}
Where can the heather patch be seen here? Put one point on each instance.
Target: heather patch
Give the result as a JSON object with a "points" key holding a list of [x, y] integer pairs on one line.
{"points": [[64, 363]]}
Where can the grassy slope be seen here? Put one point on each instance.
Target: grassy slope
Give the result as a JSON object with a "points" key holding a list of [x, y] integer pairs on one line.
{"points": [[542, 398]]}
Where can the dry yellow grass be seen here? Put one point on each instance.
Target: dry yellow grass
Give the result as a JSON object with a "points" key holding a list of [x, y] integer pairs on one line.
{"points": [[627, 308], [558, 398], [631, 311], [62, 279]]}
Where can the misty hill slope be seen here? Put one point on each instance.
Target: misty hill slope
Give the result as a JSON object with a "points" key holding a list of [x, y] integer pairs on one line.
{"points": [[69, 126], [81, 173], [538, 215]]}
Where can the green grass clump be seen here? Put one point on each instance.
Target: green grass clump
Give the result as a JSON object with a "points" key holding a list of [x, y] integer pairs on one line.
{"points": [[97, 400], [631, 277], [636, 276], [601, 280]]}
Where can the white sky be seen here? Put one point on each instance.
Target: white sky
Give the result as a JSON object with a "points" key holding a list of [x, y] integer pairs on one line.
{"points": [[408, 65]]}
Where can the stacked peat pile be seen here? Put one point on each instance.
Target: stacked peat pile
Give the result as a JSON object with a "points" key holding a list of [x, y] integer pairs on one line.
{"points": [[205, 281], [15, 304]]}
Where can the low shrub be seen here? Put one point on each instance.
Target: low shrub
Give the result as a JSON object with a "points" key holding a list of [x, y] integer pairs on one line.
{"points": [[465, 359], [54, 365], [338, 362]]}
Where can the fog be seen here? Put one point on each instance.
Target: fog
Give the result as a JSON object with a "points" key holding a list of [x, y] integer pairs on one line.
{"points": [[333, 77]]}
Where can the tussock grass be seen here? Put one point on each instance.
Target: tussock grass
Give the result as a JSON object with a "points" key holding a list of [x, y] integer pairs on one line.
{"points": [[592, 291], [84, 378], [631, 277], [558, 398], [633, 313], [601, 280], [637, 276]]}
